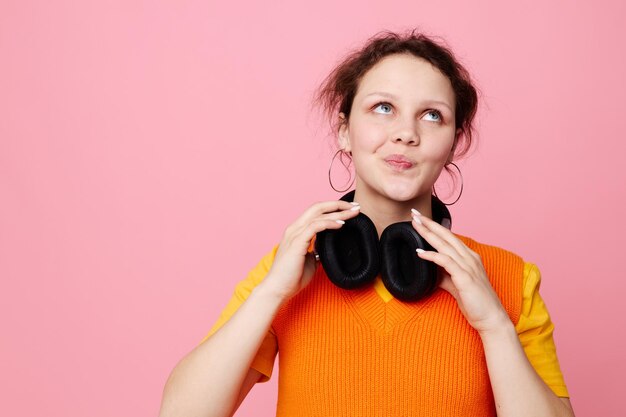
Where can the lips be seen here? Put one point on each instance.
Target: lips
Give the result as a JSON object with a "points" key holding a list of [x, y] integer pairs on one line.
{"points": [[399, 161]]}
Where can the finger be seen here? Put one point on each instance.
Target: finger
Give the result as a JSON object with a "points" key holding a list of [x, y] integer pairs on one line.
{"points": [[438, 242], [343, 215], [330, 206], [353, 211], [459, 276], [339, 217], [306, 235], [446, 236], [320, 208]]}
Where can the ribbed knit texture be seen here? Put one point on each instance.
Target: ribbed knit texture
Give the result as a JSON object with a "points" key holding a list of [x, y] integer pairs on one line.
{"points": [[348, 353]]}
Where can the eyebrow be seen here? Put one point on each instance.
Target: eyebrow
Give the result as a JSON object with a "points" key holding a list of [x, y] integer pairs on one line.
{"points": [[384, 94]]}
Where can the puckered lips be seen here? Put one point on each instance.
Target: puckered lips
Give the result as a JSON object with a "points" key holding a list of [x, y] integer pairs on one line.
{"points": [[399, 162]]}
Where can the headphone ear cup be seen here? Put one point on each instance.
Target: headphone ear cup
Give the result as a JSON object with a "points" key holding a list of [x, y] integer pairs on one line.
{"points": [[350, 255], [405, 275]]}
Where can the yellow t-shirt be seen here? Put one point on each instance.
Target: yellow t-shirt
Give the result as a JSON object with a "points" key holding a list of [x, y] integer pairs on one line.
{"points": [[534, 328]]}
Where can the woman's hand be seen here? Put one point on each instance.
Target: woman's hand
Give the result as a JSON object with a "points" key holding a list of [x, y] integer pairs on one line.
{"points": [[294, 266], [463, 276]]}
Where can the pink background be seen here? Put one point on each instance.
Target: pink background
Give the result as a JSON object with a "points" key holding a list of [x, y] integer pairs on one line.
{"points": [[152, 152]]}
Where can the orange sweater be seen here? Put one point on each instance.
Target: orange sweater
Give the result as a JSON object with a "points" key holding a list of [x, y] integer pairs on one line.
{"points": [[348, 353]]}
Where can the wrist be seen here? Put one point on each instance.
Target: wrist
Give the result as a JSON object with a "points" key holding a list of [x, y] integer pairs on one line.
{"points": [[267, 291], [504, 328]]}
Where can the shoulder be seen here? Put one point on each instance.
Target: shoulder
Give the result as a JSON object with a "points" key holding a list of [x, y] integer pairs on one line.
{"points": [[244, 288]]}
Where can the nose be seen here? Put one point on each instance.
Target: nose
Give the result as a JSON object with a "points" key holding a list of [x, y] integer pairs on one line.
{"points": [[407, 133]]}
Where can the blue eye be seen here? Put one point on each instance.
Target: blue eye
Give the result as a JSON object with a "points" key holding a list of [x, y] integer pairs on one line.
{"points": [[384, 104], [436, 113]]}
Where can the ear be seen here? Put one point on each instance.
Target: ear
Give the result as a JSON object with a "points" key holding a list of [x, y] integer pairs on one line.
{"points": [[344, 133]]}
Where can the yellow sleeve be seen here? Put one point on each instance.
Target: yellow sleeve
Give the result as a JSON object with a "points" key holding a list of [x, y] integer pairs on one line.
{"points": [[264, 359], [535, 329]]}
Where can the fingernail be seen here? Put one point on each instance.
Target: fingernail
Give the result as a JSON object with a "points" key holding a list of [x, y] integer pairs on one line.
{"points": [[417, 213], [340, 221], [355, 208], [354, 203], [418, 250], [417, 220]]}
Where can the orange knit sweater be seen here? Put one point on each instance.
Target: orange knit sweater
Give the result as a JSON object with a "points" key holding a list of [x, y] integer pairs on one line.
{"points": [[348, 353]]}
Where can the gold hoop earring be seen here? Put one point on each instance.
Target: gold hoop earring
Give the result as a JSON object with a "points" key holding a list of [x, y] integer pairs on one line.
{"points": [[346, 166], [457, 199]]}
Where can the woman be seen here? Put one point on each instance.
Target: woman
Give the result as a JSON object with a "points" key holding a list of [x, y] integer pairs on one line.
{"points": [[479, 344]]}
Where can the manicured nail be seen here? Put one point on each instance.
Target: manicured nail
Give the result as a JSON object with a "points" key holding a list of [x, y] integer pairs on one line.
{"points": [[340, 221], [417, 213], [354, 203], [417, 219], [355, 208], [418, 250]]}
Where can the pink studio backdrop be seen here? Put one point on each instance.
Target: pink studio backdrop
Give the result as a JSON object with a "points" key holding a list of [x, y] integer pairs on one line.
{"points": [[152, 152]]}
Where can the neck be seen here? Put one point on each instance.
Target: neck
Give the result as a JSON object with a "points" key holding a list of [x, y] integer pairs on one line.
{"points": [[384, 211]]}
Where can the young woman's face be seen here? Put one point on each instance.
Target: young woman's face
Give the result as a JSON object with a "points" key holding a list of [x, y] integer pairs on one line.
{"points": [[403, 106]]}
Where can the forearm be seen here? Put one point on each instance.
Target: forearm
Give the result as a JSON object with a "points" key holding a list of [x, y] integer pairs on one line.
{"points": [[517, 388], [207, 381]]}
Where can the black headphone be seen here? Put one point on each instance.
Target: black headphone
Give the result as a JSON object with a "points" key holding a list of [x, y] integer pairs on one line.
{"points": [[352, 256]]}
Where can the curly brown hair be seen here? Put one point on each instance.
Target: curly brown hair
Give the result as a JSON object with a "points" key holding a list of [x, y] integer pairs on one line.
{"points": [[337, 91]]}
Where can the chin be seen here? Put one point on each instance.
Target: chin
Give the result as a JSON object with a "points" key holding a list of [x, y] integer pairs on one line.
{"points": [[401, 193]]}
